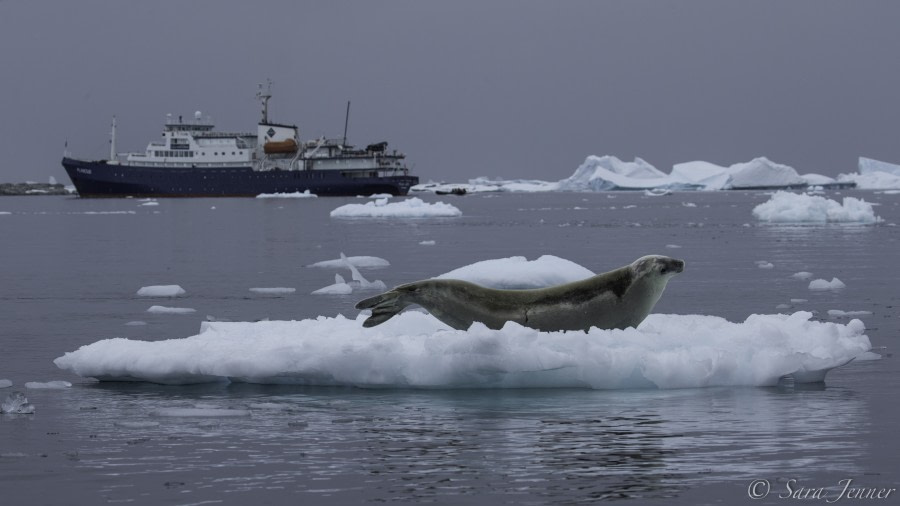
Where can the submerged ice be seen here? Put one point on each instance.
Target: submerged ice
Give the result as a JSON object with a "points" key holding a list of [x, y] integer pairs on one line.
{"points": [[416, 350]]}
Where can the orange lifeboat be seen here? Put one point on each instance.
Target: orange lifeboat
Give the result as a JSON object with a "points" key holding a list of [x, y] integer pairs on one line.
{"points": [[279, 147]]}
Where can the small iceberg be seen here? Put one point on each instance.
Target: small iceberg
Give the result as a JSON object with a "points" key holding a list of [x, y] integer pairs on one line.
{"points": [[340, 287], [786, 207], [48, 385], [16, 404], [170, 310], [821, 285], [160, 291], [409, 208], [5, 383]]}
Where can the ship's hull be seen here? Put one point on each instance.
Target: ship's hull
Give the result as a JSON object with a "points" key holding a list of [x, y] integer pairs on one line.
{"points": [[100, 179]]}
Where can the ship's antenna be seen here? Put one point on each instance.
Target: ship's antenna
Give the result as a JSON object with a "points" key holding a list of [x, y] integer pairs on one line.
{"points": [[346, 121], [264, 96], [112, 141]]}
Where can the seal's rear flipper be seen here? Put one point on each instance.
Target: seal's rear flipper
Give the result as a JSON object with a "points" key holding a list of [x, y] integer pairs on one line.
{"points": [[383, 307]]}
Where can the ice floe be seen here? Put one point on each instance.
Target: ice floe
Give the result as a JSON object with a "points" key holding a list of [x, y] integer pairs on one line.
{"points": [[416, 350], [837, 313], [340, 287], [360, 262], [427, 243], [519, 273], [48, 385], [802, 275], [821, 285], [170, 310], [295, 195], [279, 290], [409, 208], [161, 291], [787, 207], [5, 383]]}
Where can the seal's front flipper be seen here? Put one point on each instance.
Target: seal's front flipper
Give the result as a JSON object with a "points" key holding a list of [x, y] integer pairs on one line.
{"points": [[383, 307]]}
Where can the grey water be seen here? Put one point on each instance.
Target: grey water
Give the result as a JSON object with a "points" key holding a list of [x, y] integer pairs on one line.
{"points": [[71, 267]]}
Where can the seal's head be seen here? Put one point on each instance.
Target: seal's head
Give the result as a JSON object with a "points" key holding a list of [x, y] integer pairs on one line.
{"points": [[657, 266]]}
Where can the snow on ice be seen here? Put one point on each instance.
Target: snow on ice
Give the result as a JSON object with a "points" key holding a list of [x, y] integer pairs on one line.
{"points": [[787, 207], [519, 273], [161, 291], [409, 208]]}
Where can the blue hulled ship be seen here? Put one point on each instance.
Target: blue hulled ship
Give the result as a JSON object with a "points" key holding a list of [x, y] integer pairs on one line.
{"points": [[194, 160]]}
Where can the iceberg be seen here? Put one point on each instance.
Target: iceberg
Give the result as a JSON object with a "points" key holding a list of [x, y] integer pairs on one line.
{"points": [[409, 208], [516, 273], [870, 166], [416, 350], [606, 173], [786, 207], [763, 173], [821, 285], [5, 383], [160, 291]]}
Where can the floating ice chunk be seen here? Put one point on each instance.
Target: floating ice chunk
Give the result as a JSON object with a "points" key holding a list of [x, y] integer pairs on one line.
{"points": [[151, 203], [409, 208], [5, 212], [4, 383], [295, 195], [273, 290], [786, 207], [52, 180], [361, 262], [518, 272], [340, 287], [16, 403], [427, 243], [802, 275], [361, 282], [380, 196], [136, 323], [137, 425], [836, 313], [48, 385], [414, 349], [819, 285], [688, 204], [199, 412], [170, 310], [763, 264], [798, 301], [673, 246], [161, 291]]}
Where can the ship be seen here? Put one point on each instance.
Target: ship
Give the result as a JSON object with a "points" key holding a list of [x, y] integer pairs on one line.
{"points": [[195, 160]]}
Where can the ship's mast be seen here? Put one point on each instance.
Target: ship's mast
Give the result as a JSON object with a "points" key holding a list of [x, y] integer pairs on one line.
{"points": [[264, 96], [346, 121], [112, 141]]}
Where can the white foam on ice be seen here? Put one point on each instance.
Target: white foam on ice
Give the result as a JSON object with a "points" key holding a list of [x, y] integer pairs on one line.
{"points": [[409, 208], [416, 350], [170, 310], [295, 195], [48, 385], [787, 207], [277, 290], [821, 285], [161, 291], [519, 273], [360, 262]]}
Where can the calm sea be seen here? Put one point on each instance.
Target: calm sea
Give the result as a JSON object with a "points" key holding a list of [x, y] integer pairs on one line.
{"points": [[71, 267]]}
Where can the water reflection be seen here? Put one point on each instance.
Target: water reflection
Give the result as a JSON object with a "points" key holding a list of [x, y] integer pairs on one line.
{"points": [[425, 445]]}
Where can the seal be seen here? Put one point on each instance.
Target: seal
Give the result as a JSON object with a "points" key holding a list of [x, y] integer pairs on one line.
{"points": [[617, 299]]}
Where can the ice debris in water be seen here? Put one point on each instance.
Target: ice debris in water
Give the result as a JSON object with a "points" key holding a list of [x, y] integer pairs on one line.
{"points": [[358, 282], [161, 291], [48, 385], [170, 310], [295, 195], [360, 262], [4, 383], [837, 313], [414, 349], [273, 290], [340, 287], [820, 285], [802, 275], [409, 208], [787, 207], [427, 243], [16, 403], [764, 264]]}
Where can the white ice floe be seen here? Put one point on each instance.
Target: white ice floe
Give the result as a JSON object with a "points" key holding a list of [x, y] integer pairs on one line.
{"points": [[161, 291], [279, 290], [763, 264], [786, 207], [199, 412], [48, 385], [416, 350], [673, 246], [151, 203], [427, 243], [5, 383], [821, 285], [16, 404], [518, 272], [799, 301], [360, 262], [295, 195], [409, 208], [170, 310], [136, 323], [837, 313], [380, 196], [5, 212], [802, 275], [340, 287]]}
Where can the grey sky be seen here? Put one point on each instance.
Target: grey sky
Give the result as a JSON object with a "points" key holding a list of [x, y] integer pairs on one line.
{"points": [[465, 88]]}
